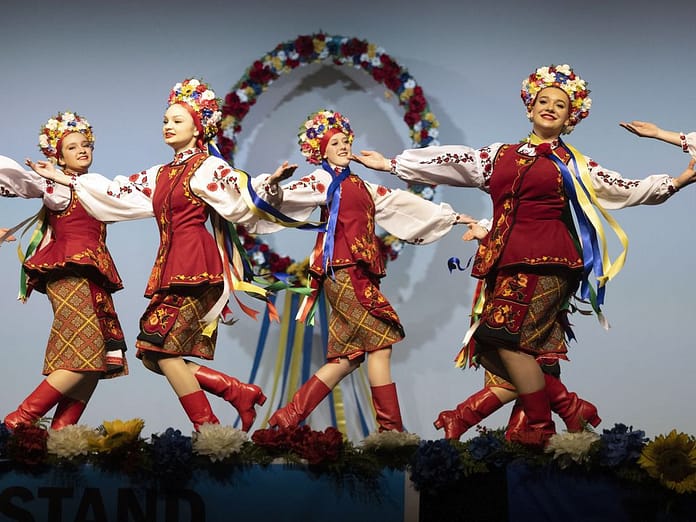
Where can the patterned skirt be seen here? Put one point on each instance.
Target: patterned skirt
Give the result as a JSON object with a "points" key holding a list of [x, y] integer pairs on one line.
{"points": [[526, 311], [356, 327], [172, 323], [85, 327]]}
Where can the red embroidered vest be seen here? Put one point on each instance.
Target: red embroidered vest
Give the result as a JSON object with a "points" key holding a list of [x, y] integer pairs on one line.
{"points": [[188, 254]]}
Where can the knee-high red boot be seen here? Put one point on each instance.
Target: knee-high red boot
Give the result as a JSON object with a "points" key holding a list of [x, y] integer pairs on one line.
{"points": [[517, 420], [302, 404], [242, 396], [198, 409], [539, 427], [386, 403], [67, 412], [574, 411], [35, 406], [468, 413]]}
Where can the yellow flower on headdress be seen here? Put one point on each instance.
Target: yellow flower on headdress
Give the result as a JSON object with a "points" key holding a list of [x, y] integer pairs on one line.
{"points": [[563, 77], [199, 97], [672, 460], [57, 127], [313, 130]]}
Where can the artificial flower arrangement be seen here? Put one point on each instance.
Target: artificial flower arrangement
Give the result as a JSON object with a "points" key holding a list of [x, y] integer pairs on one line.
{"points": [[339, 50], [434, 465]]}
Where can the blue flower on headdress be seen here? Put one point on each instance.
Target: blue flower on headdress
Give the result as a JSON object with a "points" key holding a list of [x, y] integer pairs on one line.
{"points": [[621, 444], [311, 133]]}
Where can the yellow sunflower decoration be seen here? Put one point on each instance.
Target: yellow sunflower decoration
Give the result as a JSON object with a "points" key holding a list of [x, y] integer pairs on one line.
{"points": [[672, 460], [115, 434]]}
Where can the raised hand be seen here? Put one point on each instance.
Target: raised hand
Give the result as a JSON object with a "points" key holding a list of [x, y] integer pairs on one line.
{"points": [[643, 129], [372, 160]]}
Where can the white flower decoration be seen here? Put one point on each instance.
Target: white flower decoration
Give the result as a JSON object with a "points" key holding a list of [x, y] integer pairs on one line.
{"points": [[390, 440], [571, 447], [218, 442], [69, 442]]}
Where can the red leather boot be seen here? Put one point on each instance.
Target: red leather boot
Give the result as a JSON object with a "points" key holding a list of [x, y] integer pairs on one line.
{"points": [[517, 420], [386, 403], [468, 413], [539, 427], [35, 406], [302, 404], [244, 397], [575, 412], [68, 412], [198, 409]]}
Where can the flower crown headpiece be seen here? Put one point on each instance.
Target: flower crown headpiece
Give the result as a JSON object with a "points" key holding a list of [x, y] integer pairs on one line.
{"points": [[563, 77], [202, 100], [57, 127], [316, 127]]}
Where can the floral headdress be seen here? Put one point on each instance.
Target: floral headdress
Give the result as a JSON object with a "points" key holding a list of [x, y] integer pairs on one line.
{"points": [[202, 100], [316, 128], [57, 127], [563, 77]]}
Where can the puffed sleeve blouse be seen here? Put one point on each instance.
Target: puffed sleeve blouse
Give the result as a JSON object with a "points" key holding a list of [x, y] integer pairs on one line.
{"points": [[130, 197], [15, 181], [462, 166], [401, 213]]}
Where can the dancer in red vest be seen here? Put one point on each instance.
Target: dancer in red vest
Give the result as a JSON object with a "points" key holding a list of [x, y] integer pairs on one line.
{"points": [[73, 267], [347, 261], [187, 286], [533, 259]]}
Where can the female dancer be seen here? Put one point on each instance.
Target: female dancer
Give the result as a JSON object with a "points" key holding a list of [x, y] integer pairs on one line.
{"points": [[189, 283], [531, 261], [346, 260], [73, 267]]}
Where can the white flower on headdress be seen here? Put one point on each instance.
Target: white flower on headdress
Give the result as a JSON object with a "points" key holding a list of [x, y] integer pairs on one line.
{"points": [[564, 69], [207, 95], [43, 141], [68, 116], [52, 124]]}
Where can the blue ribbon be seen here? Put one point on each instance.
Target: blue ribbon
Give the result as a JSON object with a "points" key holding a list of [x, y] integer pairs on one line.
{"points": [[333, 202], [591, 253], [454, 262]]}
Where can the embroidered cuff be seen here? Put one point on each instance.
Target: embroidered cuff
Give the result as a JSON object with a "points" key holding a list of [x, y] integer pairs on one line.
{"points": [[682, 141], [392, 166]]}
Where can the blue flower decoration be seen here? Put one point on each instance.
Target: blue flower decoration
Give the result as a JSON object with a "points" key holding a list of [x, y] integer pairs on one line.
{"points": [[435, 464], [621, 444], [171, 453]]}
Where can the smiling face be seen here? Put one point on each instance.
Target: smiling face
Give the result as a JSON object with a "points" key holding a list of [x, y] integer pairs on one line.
{"points": [[550, 113], [338, 150], [179, 129], [75, 153]]}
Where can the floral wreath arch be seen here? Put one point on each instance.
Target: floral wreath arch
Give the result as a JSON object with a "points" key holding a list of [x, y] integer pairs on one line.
{"points": [[341, 50]]}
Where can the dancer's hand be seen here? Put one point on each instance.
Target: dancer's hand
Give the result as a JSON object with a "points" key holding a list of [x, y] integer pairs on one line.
{"points": [[372, 160], [475, 232], [644, 129], [4, 237], [687, 177]]}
